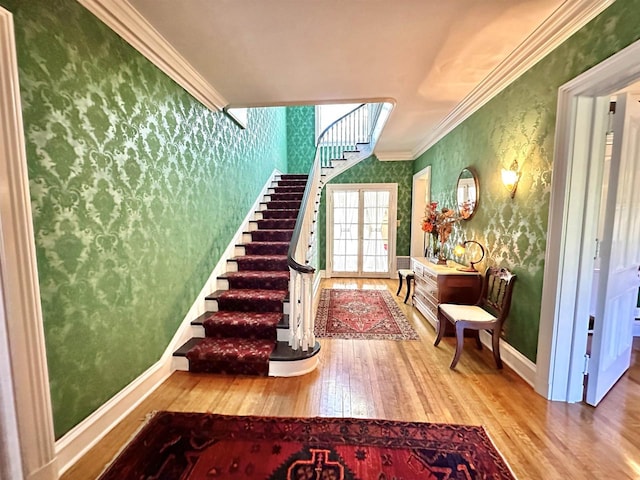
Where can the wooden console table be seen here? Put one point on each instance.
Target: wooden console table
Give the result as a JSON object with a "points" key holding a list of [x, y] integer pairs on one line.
{"points": [[434, 284]]}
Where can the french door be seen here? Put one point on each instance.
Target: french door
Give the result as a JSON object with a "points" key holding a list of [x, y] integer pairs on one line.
{"points": [[361, 229]]}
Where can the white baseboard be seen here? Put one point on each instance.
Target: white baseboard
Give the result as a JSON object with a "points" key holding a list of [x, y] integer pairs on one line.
{"points": [[636, 329], [520, 364], [75, 443]]}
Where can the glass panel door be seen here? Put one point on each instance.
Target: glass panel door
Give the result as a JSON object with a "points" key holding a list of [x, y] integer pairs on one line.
{"points": [[359, 235], [375, 232], [346, 205]]}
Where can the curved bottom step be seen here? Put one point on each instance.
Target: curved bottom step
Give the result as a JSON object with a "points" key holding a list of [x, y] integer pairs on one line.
{"points": [[286, 362], [283, 362]]}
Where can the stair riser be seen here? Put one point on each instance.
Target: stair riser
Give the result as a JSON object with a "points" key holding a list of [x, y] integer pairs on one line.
{"points": [[276, 224], [291, 213], [299, 190], [237, 331], [284, 197], [271, 235], [212, 306], [258, 264], [230, 367], [265, 284], [249, 305], [197, 331], [280, 249]]}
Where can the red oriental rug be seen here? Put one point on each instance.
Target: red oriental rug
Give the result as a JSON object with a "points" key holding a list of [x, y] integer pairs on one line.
{"points": [[189, 446], [362, 314]]}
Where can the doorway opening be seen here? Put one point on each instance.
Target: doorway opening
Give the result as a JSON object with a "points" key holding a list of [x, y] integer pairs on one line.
{"points": [[361, 233], [568, 279]]}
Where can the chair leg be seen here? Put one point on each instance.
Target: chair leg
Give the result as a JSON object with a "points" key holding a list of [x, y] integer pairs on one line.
{"points": [[409, 278], [442, 325], [495, 341], [459, 345], [399, 284], [478, 342]]}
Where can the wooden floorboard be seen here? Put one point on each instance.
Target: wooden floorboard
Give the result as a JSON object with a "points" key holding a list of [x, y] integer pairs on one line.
{"points": [[411, 380]]}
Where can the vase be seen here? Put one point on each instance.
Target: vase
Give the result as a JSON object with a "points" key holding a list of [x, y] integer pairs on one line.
{"points": [[433, 248], [442, 257]]}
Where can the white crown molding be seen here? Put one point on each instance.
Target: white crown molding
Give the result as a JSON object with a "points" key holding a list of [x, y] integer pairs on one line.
{"points": [[19, 283], [125, 20], [570, 17], [398, 156]]}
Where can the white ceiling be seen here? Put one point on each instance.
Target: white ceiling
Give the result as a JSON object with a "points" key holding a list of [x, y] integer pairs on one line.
{"points": [[427, 55]]}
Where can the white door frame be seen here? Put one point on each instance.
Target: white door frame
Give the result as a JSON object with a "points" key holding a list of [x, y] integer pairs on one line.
{"points": [[569, 261], [22, 330], [393, 222], [421, 195]]}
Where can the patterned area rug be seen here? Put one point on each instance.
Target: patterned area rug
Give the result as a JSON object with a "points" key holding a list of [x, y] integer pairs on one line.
{"points": [[362, 314], [191, 446]]}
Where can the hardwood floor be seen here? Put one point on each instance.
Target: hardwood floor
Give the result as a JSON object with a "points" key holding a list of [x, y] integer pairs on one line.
{"points": [[411, 381]]}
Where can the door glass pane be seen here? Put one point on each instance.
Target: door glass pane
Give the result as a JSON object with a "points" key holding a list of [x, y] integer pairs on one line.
{"points": [[375, 256], [345, 231]]}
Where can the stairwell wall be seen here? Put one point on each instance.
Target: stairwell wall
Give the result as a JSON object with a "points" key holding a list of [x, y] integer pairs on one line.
{"points": [[301, 138], [519, 123], [136, 190], [372, 170]]}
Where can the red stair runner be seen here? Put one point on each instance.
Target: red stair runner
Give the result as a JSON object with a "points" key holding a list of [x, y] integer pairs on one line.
{"points": [[241, 335]]}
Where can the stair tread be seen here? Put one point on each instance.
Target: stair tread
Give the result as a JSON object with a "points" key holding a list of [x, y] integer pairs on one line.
{"points": [[281, 353], [251, 293], [258, 257], [283, 323], [255, 274]]}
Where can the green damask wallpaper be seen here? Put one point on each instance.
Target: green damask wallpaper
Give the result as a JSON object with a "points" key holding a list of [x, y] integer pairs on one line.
{"points": [[301, 138], [136, 190], [520, 123], [371, 170]]}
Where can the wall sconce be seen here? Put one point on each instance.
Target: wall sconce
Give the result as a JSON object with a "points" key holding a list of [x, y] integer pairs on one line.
{"points": [[510, 178], [460, 251]]}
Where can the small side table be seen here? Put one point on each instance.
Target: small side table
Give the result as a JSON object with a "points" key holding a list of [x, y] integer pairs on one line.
{"points": [[402, 274]]}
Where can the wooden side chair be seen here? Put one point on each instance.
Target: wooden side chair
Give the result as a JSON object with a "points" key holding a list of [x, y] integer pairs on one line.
{"points": [[489, 312]]}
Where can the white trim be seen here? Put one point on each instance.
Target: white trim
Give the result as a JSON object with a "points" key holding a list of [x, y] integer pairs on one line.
{"points": [[80, 439], [420, 196], [520, 364], [293, 368], [570, 17], [636, 329], [75, 443], [126, 21], [398, 156], [21, 289], [559, 375]]}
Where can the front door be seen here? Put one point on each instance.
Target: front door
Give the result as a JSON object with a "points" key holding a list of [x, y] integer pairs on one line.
{"points": [[360, 237], [617, 292]]}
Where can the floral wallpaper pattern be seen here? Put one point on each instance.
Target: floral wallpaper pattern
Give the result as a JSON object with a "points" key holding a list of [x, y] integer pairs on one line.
{"points": [[519, 123], [301, 138], [136, 190]]}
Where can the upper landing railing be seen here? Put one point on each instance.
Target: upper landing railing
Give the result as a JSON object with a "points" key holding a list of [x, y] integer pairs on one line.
{"points": [[349, 139]]}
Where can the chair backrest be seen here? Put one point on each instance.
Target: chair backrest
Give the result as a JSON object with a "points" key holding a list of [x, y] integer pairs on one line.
{"points": [[497, 288]]}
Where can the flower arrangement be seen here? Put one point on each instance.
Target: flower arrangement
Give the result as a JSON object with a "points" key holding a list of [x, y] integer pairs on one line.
{"points": [[439, 224]]}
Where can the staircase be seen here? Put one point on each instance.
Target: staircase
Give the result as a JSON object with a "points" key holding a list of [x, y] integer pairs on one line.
{"points": [[245, 328], [260, 321]]}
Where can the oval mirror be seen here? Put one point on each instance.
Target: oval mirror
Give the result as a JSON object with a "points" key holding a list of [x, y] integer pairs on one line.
{"points": [[467, 193]]}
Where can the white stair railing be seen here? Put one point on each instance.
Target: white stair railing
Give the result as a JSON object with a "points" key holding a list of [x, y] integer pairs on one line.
{"points": [[361, 126]]}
